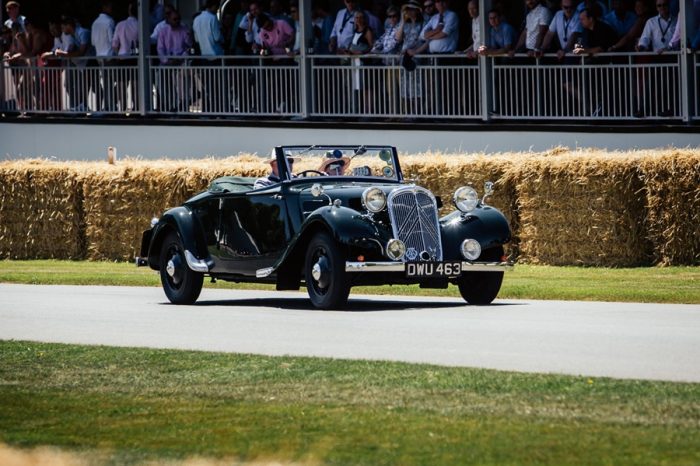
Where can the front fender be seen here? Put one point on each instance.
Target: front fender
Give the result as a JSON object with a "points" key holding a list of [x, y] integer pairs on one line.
{"points": [[347, 226], [485, 224], [185, 223]]}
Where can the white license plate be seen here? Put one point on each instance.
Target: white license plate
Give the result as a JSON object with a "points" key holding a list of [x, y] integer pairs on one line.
{"points": [[433, 269]]}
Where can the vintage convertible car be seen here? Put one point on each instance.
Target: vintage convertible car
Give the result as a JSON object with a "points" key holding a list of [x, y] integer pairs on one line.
{"points": [[334, 217]]}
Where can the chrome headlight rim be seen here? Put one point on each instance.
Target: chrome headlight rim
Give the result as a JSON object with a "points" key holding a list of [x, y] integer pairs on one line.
{"points": [[374, 199], [466, 199], [395, 249], [470, 249]]}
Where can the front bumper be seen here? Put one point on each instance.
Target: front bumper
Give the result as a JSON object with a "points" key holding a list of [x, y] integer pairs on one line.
{"points": [[401, 266]]}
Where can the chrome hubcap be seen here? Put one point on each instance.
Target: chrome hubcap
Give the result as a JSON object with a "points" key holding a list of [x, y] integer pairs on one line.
{"points": [[170, 268], [316, 271], [320, 273]]}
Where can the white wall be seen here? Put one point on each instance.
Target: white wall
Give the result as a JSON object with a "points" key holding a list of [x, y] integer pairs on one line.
{"points": [[90, 141]]}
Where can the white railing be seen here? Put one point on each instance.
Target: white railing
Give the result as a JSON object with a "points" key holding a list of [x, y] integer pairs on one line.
{"points": [[607, 86], [77, 85], [451, 87], [227, 86], [378, 86]]}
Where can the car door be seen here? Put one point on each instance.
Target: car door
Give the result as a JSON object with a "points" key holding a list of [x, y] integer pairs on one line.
{"points": [[253, 232]]}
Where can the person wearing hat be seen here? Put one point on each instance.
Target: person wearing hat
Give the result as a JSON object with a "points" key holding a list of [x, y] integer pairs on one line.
{"points": [[274, 176], [334, 163], [408, 34]]}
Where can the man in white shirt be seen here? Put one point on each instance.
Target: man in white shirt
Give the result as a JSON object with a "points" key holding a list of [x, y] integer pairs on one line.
{"points": [[536, 26], [125, 44], [566, 27], [473, 9], [102, 33], [12, 9], [658, 30]]}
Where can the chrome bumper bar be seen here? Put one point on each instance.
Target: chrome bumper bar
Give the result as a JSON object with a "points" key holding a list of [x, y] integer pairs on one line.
{"points": [[401, 266]]}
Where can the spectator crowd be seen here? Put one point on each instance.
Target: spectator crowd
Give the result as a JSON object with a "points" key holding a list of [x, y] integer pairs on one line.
{"points": [[271, 28]]}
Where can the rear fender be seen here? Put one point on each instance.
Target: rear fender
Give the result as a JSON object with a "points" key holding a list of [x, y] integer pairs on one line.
{"points": [[186, 224]]}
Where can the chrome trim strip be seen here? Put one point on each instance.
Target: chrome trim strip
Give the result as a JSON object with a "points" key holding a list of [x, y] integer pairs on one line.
{"points": [[264, 273], [487, 266], [195, 264], [401, 266]]}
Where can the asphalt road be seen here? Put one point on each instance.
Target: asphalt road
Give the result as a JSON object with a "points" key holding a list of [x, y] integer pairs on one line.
{"points": [[640, 341]]}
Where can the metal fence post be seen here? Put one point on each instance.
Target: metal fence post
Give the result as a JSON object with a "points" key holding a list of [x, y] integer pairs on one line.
{"points": [[683, 57], [485, 64], [304, 61], [144, 82]]}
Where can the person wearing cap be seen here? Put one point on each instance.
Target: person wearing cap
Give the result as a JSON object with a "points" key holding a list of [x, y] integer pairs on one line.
{"points": [[12, 9], [274, 176], [334, 163]]}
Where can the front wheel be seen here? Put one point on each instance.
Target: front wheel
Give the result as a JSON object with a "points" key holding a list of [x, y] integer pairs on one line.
{"points": [[481, 288], [324, 268], [181, 284]]}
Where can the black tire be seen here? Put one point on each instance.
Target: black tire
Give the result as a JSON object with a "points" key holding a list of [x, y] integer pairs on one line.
{"points": [[324, 268], [181, 284], [481, 288]]}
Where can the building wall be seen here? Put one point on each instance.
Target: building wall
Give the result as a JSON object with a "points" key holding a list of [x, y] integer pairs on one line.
{"points": [[77, 141]]}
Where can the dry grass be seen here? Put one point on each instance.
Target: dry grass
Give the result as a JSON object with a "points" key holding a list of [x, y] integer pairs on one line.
{"points": [[566, 207]]}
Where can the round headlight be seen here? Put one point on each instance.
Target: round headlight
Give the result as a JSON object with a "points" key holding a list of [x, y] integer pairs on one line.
{"points": [[374, 199], [395, 249], [466, 199], [471, 249]]}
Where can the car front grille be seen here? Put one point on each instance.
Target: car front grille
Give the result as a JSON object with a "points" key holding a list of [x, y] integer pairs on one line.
{"points": [[414, 220]]}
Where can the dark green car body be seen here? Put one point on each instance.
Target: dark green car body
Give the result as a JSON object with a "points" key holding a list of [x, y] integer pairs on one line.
{"points": [[237, 233]]}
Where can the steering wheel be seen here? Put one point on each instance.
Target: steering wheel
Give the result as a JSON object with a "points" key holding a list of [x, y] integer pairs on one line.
{"points": [[306, 172]]}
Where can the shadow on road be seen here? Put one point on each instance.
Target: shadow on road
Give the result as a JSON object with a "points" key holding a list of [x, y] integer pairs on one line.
{"points": [[354, 305]]}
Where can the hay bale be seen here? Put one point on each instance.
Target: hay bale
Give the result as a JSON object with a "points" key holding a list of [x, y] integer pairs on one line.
{"points": [[672, 183], [582, 208], [40, 211]]}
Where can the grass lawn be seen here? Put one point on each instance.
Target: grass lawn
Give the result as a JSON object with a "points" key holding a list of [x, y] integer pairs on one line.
{"points": [[644, 284], [124, 406]]}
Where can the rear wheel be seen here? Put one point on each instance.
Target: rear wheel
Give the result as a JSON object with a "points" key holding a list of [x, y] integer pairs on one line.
{"points": [[481, 288], [181, 284], [326, 279]]}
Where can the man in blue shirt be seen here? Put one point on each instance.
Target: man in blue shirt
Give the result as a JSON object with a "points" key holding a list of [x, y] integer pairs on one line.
{"points": [[501, 36], [207, 32]]}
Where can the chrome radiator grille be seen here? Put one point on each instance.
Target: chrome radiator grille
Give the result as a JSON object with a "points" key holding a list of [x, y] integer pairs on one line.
{"points": [[414, 220]]}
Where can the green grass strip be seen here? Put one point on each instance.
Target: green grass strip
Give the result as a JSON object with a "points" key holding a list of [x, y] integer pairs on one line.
{"points": [[136, 405], [644, 284]]}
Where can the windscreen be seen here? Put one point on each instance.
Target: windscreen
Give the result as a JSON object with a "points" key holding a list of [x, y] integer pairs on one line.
{"points": [[377, 162]]}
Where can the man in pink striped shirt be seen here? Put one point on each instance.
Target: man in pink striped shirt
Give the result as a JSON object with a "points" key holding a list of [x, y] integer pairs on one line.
{"points": [[174, 40]]}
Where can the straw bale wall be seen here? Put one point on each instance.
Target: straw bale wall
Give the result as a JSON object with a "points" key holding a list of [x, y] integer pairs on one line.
{"points": [[40, 211], [582, 209], [672, 184], [565, 207]]}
